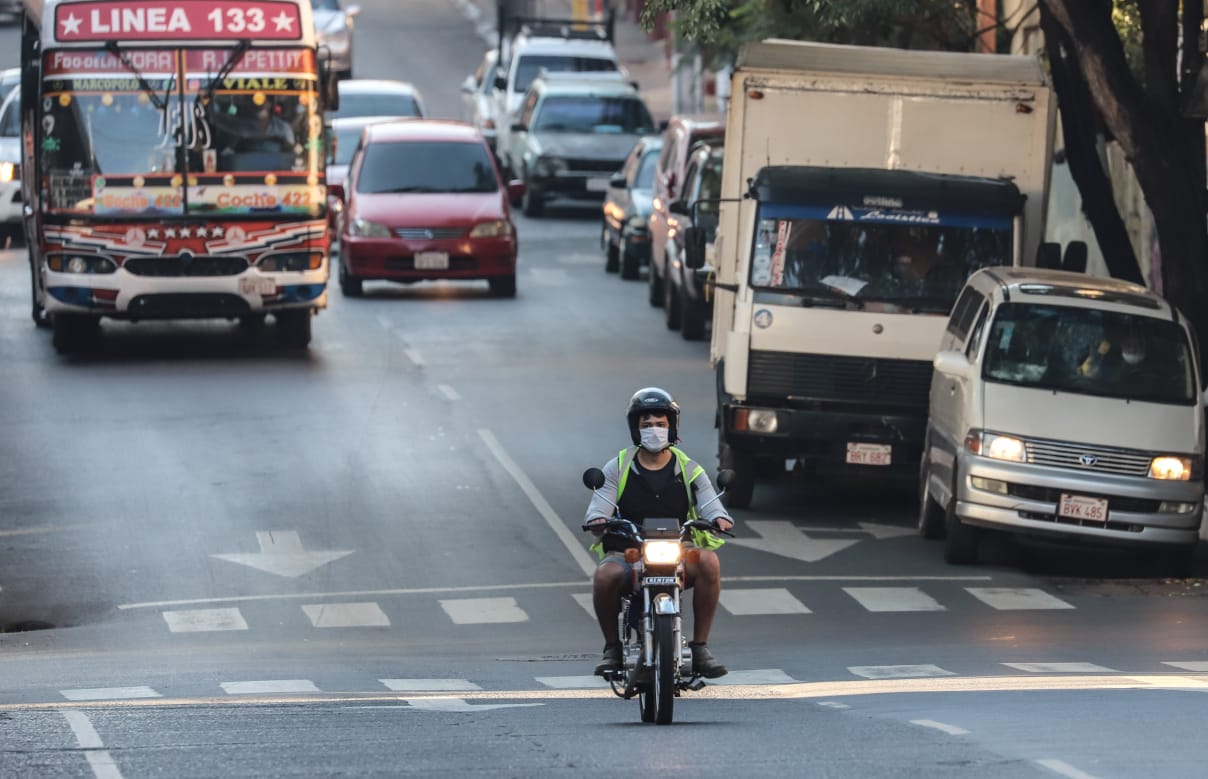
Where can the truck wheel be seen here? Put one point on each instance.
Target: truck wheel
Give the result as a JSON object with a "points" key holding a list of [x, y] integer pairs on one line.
{"points": [[293, 328], [37, 308], [694, 313], [1179, 562], [962, 541], [742, 486]]}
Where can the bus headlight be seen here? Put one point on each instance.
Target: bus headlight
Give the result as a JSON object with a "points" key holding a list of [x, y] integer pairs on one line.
{"points": [[291, 261], [662, 552]]}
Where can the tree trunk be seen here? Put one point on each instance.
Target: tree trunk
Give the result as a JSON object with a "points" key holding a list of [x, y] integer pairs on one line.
{"points": [[1082, 153]]}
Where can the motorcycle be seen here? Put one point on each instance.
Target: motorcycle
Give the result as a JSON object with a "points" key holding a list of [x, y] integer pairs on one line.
{"points": [[656, 658]]}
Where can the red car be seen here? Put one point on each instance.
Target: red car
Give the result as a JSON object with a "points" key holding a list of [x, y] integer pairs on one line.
{"points": [[424, 200]]}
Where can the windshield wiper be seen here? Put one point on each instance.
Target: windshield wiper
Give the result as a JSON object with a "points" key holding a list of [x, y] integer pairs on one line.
{"points": [[160, 103], [227, 66], [918, 302], [416, 188]]}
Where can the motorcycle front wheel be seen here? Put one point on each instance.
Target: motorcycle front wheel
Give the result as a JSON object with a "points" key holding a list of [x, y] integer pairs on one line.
{"points": [[665, 654]]}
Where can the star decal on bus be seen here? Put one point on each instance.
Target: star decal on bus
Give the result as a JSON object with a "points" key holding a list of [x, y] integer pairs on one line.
{"points": [[284, 22], [71, 25]]}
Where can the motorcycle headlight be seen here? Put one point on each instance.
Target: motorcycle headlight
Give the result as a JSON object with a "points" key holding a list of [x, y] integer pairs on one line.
{"points": [[363, 228], [662, 552], [498, 228]]}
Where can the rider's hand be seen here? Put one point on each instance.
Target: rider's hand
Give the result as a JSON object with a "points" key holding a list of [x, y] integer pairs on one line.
{"points": [[724, 524], [596, 524]]}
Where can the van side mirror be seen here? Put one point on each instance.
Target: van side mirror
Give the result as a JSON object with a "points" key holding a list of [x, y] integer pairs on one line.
{"points": [[1048, 255], [1075, 257], [953, 364], [694, 247], [678, 207]]}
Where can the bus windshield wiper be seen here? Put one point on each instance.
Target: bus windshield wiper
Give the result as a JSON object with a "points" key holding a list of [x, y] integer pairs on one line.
{"points": [[231, 61], [160, 103]]}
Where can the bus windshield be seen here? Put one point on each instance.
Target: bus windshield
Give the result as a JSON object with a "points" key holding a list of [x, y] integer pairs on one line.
{"points": [[122, 136], [915, 262]]}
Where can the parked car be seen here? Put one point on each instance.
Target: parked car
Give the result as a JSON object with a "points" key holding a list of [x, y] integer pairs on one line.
{"points": [[1066, 407], [574, 131], [682, 133], [686, 306], [624, 235], [549, 48], [346, 135], [477, 93], [334, 25], [10, 156], [424, 200], [378, 97]]}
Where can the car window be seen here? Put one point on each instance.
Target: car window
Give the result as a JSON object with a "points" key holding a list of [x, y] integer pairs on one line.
{"points": [[426, 166], [588, 114], [529, 66], [962, 313], [10, 117], [325, 5], [974, 343], [645, 177], [347, 138], [690, 182], [388, 104]]}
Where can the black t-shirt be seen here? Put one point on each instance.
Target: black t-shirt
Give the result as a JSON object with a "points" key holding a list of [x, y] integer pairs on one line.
{"points": [[650, 493]]}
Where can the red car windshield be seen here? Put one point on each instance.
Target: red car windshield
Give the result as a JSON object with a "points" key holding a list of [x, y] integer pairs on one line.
{"points": [[426, 166]]}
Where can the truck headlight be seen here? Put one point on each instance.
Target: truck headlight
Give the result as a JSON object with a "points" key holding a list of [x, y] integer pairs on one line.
{"points": [[1170, 468], [662, 552], [756, 420]]}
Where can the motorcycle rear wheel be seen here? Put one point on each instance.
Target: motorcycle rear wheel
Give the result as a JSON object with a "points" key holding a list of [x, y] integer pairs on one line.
{"points": [[665, 655]]}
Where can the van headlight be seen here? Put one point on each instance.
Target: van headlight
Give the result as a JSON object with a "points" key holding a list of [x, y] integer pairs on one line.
{"points": [[661, 552], [996, 447], [1171, 468]]}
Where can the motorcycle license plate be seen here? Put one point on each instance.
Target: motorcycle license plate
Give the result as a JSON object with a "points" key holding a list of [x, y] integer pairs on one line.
{"points": [[658, 580]]}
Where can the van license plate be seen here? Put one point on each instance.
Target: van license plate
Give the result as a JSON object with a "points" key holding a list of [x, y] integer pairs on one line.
{"points": [[868, 454], [431, 260], [1082, 507]]}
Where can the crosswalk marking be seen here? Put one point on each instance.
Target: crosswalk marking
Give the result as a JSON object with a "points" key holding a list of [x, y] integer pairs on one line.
{"points": [[203, 620], [1017, 598], [761, 601], [894, 599], [898, 671], [269, 686], [109, 693], [1060, 668], [951, 730], [430, 685], [475, 611], [756, 676], [572, 682], [1198, 666], [346, 615]]}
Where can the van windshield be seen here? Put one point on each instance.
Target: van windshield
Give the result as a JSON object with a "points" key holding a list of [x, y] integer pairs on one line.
{"points": [[913, 261], [1090, 352]]}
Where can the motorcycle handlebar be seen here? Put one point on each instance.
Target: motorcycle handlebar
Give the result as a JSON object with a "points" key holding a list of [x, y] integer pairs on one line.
{"points": [[631, 530]]}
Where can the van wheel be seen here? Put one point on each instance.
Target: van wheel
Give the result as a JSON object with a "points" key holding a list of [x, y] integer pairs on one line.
{"points": [[631, 266], [612, 257], [931, 514], [1179, 562], [742, 486], [350, 286], [693, 314], [962, 541], [532, 204], [656, 285]]}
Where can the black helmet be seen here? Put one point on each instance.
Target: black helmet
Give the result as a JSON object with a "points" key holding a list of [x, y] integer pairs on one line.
{"points": [[653, 399]]}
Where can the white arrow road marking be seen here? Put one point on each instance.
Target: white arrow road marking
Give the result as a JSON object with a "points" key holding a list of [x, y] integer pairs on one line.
{"points": [[787, 540], [833, 705], [203, 620], [898, 671], [457, 704], [1199, 666], [951, 730], [754, 676], [448, 392], [281, 553], [109, 693], [572, 682], [1064, 768]]}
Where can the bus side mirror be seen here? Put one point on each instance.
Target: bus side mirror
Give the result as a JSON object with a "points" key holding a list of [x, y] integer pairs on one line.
{"points": [[1048, 255], [1075, 257]]}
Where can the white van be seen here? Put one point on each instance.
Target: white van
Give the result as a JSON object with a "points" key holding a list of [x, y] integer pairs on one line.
{"points": [[1064, 406]]}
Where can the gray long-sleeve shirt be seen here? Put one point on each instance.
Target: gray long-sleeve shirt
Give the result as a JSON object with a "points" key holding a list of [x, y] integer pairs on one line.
{"points": [[599, 507]]}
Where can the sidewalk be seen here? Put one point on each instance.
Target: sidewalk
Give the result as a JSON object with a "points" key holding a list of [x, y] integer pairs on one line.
{"points": [[643, 57]]}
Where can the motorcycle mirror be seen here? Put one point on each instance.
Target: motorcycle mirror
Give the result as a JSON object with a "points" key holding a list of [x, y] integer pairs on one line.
{"points": [[593, 478], [724, 477]]}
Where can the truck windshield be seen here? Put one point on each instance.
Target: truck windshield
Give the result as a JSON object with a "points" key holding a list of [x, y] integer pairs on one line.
{"points": [[915, 261], [126, 138], [1090, 352]]}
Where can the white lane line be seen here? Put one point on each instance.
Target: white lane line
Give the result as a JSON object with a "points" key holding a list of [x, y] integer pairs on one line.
{"points": [[384, 322], [570, 541], [430, 685], [448, 392], [269, 686], [833, 705], [1065, 769], [346, 615], [752, 677], [894, 599], [479, 611], [99, 759], [1061, 668], [773, 600], [951, 730], [572, 682], [204, 620], [415, 357], [1199, 666], [898, 671], [1017, 598], [109, 693]]}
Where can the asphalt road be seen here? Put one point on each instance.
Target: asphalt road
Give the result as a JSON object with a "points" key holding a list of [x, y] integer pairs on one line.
{"points": [[366, 560]]}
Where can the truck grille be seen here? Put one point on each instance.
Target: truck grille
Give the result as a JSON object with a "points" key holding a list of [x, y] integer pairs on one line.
{"points": [[897, 383], [1088, 457], [177, 267]]}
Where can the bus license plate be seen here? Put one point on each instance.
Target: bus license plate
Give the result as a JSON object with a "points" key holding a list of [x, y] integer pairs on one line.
{"points": [[431, 260], [251, 285], [1082, 507], [868, 454]]}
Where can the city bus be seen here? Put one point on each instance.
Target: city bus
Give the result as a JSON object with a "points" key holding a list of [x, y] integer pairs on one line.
{"points": [[173, 162]]}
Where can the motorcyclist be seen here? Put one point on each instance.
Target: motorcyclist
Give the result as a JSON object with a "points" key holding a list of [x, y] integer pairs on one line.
{"points": [[655, 479]]}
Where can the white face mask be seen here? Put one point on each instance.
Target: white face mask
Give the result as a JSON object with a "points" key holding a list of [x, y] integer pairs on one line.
{"points": [[654, 439]]}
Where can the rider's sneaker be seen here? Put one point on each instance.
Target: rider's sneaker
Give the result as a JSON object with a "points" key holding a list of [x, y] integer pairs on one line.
{"points": [[611, 661], [704, 663]]}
